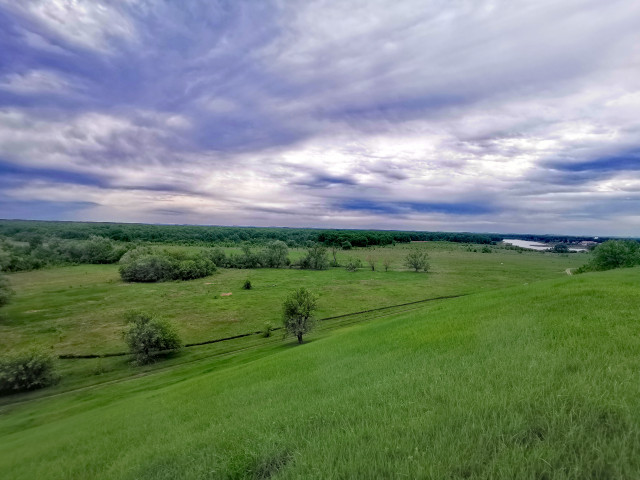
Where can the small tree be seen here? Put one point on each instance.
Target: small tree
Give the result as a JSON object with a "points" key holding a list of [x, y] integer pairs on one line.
{"points": [[386, 263], [275, 254], [334, 254], [346, 245], [372, 262], [146, 336], [316, 258], [417, 260], [298, 308]]}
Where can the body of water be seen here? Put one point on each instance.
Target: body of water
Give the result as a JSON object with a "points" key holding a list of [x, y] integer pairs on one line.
{"points": [[535, 245]]}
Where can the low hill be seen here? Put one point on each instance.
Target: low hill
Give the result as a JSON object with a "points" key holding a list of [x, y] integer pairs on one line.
{"points": [[535, 381]]}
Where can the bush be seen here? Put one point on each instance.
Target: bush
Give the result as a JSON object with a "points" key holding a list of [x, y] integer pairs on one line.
{"points": [[268, 328], [146, 336], [275, 255], [417, 260], [26, 371], [297, 310], [560, 248], [246, 285], [346, 245], [316, 258], [353, 264], [148, 268]]}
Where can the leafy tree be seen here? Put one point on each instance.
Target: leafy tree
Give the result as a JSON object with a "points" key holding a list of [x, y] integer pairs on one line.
{"points": [[316, 258], [334, 254], [386, 263], [418, 260], [275, 254], [615, 254], [298, 308], [146, 336], [346, 245]]}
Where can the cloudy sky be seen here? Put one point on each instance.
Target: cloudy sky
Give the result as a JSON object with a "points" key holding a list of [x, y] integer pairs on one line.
{"points": [[491, 116]]}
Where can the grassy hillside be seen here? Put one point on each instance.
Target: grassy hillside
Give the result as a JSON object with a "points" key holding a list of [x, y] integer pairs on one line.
{"points": [[533, 381], [80, 309]]}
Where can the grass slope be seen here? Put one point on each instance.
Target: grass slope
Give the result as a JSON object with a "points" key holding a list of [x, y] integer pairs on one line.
{"points": [[535, 381]]}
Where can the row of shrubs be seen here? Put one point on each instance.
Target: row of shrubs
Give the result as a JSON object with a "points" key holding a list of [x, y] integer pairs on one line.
{"points": [[144, 264]]}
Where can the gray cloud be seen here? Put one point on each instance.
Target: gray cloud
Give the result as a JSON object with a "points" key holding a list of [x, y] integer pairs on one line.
{"points": [[469, 115]]}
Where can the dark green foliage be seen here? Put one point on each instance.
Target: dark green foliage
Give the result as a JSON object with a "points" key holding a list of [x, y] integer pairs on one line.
{"points": [[560, 248], [346, 245], [297, 313], [26, 371], [486, 249], [418, 260], [146, 336], [148, 268], [613, 254], [141, 266], [5, 290], [246, 285], [316, 258], [216, 255]]}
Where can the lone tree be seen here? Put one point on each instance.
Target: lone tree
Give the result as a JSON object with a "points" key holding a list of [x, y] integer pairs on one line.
{"points": [[298, 308], [148, 336], [418, 260]]}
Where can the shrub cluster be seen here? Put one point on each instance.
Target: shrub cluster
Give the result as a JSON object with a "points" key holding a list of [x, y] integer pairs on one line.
{"points": [[40, 252], [273, 255], [143, 265], [613, 254], [26, 371]]}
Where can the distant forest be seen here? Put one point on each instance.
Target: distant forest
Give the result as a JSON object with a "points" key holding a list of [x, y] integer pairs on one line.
{"points": [[33, 232]]}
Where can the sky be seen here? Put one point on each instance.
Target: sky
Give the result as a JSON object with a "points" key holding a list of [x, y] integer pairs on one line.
{"points": [[457, 115]]}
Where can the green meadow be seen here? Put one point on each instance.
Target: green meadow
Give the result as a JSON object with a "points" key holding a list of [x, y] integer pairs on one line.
{"points": [[80, 309], [536, 380]]}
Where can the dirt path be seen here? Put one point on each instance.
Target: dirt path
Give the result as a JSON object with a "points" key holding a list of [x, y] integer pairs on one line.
{"points": [[568, 271]]}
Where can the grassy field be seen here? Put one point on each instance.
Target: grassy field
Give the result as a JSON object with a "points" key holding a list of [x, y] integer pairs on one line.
{"points": [[532, 381], [80, 309]]}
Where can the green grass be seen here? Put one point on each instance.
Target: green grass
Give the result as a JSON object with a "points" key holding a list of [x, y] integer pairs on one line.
{"points": [[81, 309], [533, 381]]}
